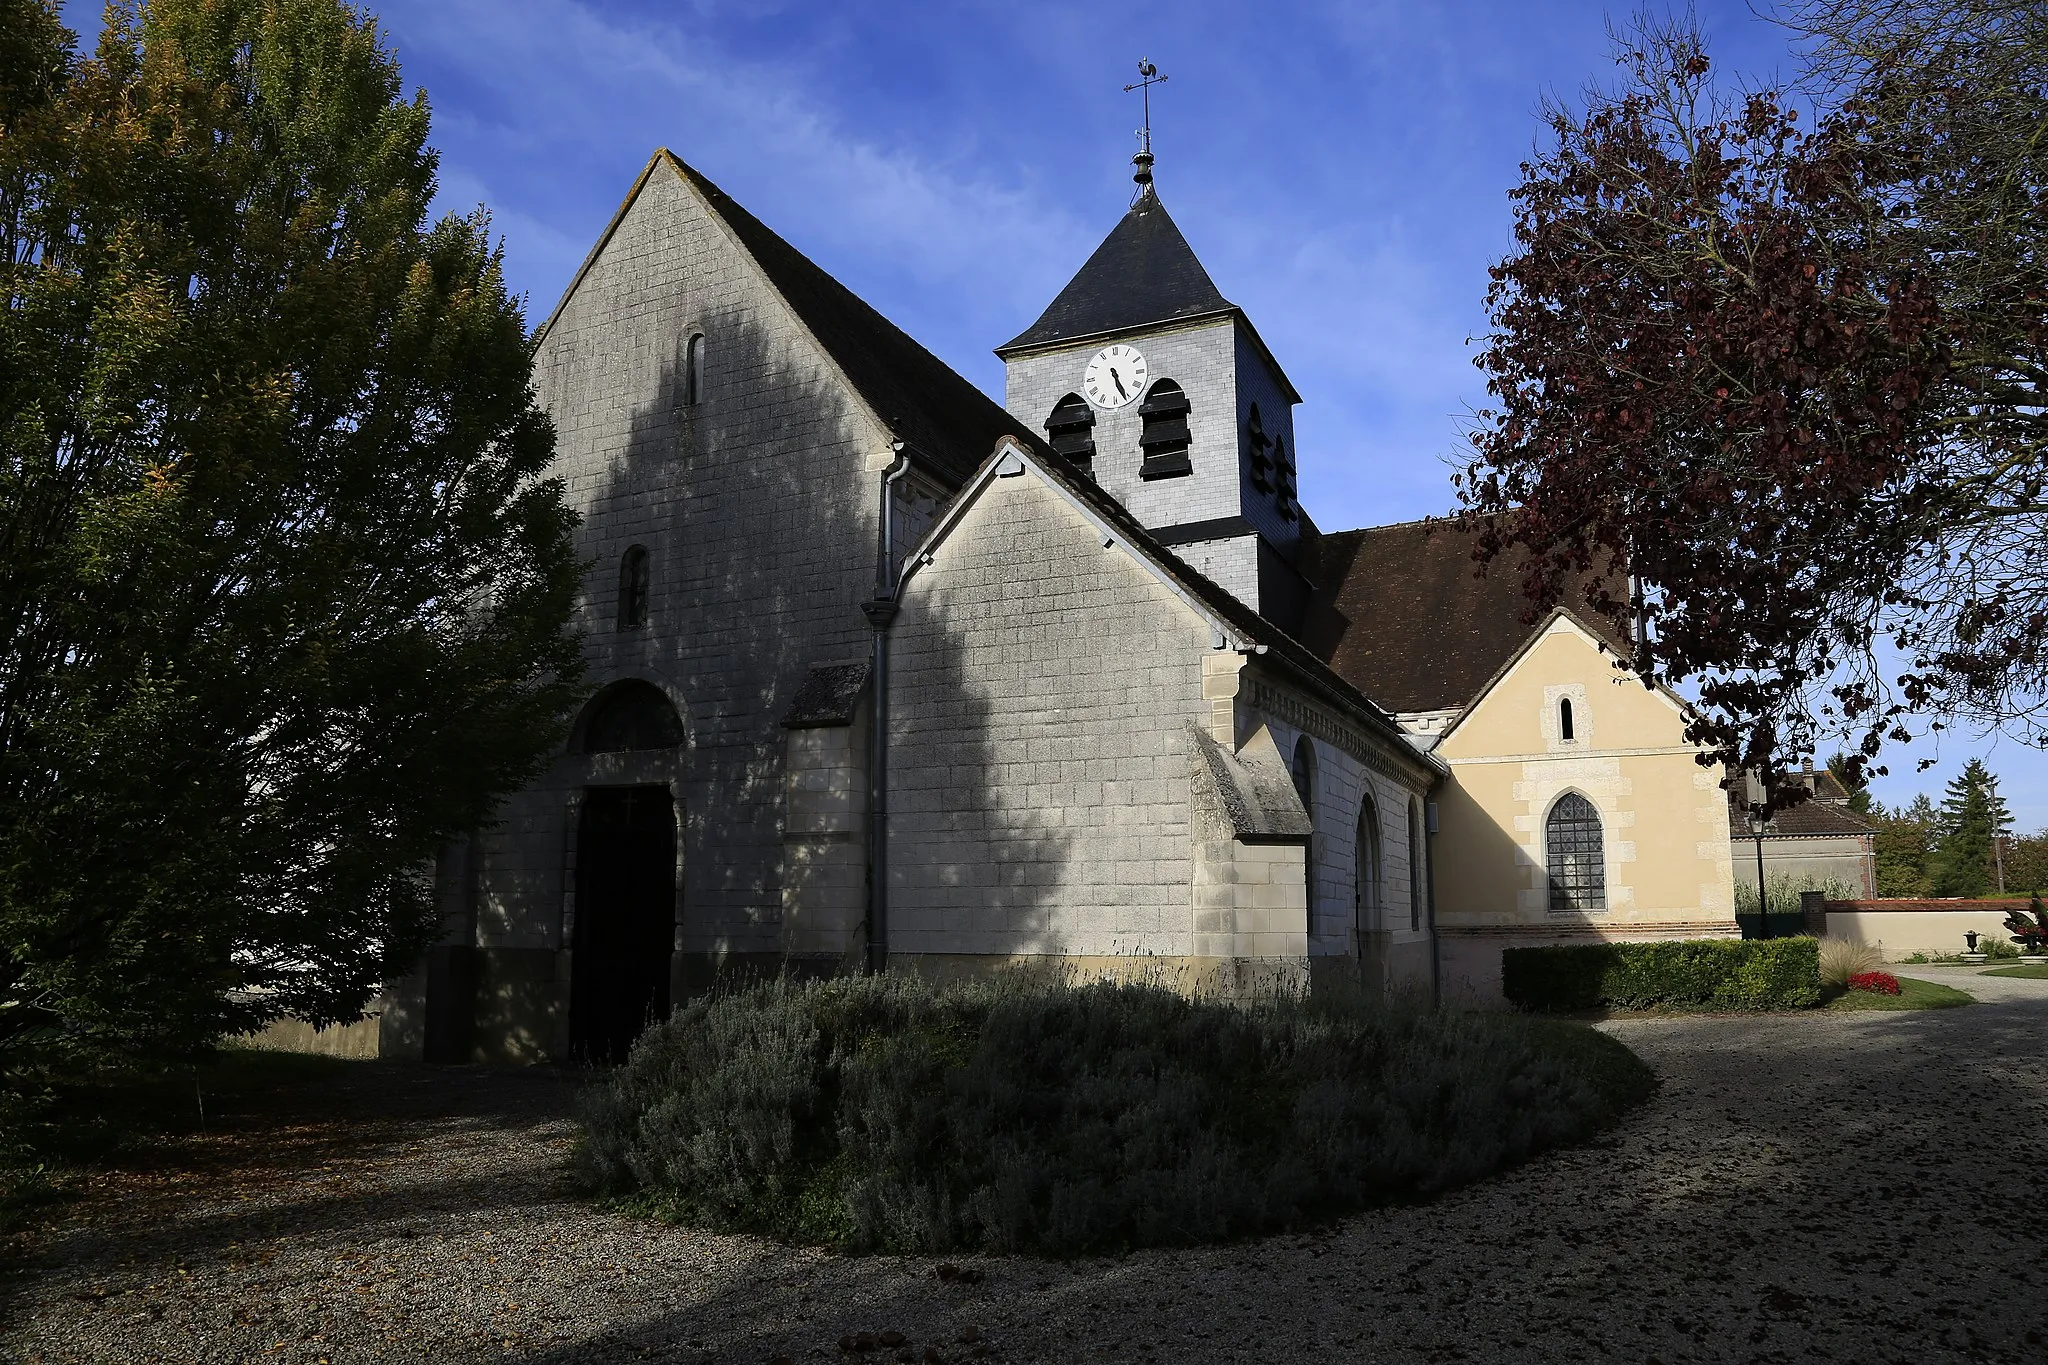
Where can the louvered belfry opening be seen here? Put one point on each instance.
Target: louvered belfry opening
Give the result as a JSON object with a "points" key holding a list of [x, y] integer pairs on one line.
{"points": [[1165, 436], [1071, 430], [1259, 447], [1283, 477]]}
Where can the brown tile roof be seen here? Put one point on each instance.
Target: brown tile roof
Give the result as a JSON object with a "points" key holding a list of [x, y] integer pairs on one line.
{"points": [[1808, 819], [1402, 614]]}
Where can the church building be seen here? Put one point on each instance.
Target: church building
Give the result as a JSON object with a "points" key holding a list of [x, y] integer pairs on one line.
{"points": [[889, 676]]}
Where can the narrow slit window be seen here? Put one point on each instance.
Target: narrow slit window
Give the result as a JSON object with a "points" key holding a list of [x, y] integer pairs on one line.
{"points": [[633, 588], [693, 370], [1578, 869], [1071, 431], [1164, 438], [1416, 864], [1564, 719]]}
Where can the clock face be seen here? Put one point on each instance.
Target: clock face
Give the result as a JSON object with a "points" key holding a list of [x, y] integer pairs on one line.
{"points": [[1115, 376]]}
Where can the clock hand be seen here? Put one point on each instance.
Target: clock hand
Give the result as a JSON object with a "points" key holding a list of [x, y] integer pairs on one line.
{"points": [[1119, 382]]}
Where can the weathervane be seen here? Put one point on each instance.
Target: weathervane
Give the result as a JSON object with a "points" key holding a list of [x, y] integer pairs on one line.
{"points": [[1149, 77]]}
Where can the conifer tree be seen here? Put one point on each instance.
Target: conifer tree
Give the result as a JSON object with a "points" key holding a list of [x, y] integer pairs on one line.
{"points": [[1972, 816], [283, 583], [1905, 843]]}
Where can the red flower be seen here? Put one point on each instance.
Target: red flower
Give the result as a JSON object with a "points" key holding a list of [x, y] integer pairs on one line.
{"points": [[1877, 983]]}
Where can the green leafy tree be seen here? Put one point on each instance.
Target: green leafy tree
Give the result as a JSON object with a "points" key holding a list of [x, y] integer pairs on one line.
{"points": [[1904, 843], [2026, 863], [1972, 816], [1851, 775], [284, 588]]}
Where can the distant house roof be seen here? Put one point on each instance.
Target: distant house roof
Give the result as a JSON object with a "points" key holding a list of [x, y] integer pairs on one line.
{"points": [[916, 395], [1808, 819], [1143, 273], [1402, 614]]}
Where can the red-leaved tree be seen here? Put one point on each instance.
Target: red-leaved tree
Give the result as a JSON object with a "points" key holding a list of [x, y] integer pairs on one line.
{"points": [[1763, 369]]}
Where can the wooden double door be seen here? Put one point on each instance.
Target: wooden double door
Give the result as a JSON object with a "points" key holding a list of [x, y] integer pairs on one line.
{"points": [[625, 919]]}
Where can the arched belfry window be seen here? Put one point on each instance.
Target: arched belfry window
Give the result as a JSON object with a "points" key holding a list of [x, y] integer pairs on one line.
{"points": [[1564, 719], [1283, 480], [1304, 774], [1417, 864], [1259, 451], [633, 588], [1071, 430], [1366, 894], [1164, 438], [1572, 845], [630, 714], [693, 370]]}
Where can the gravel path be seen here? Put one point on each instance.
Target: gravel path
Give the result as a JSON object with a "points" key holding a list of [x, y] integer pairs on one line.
{"points": [[1837, 1187]]}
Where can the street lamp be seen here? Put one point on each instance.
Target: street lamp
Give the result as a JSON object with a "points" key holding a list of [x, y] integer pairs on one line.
{"points": [[1759, 820]]}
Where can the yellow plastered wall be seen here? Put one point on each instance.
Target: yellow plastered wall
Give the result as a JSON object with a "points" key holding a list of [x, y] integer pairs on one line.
{"points": [[1663, 817]]}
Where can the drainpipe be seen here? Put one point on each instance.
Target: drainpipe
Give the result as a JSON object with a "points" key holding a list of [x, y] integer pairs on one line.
{"points": [[880, 612]]}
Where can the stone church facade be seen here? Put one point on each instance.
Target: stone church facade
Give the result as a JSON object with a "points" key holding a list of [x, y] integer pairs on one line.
{"points": [[888, 675]]}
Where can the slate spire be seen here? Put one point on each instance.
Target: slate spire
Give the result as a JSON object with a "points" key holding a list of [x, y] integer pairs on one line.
{"points": [[1143, 273]]}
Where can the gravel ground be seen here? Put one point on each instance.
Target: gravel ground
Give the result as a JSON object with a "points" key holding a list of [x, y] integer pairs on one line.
{"points": [[1832, 1187]]}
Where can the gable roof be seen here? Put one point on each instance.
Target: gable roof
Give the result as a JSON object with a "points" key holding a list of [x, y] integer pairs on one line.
{"points": [[1402, 612], [1246, 629], [916, 395], [1809, 819], [1143, 273]]}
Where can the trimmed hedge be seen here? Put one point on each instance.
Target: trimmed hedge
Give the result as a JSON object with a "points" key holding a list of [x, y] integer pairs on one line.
{"points": [[887, 1114], [1749, 974]]}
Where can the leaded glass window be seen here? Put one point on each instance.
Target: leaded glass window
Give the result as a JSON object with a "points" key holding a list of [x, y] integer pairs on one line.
{"points": [[1578, 871]]}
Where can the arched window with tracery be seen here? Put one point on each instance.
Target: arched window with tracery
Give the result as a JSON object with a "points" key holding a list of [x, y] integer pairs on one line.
{"points": [[1366, 894], [1164, 437], [633, 588], [1573, 852], [1071, 431]]}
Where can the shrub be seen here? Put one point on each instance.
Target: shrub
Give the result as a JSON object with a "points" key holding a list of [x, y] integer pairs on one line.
{"points": [[1841, 958], [884, 1114], [1723, 973], [1876, 983]]}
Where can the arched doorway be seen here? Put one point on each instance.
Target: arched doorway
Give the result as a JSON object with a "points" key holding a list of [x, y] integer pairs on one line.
{"points": [[625, 880]]}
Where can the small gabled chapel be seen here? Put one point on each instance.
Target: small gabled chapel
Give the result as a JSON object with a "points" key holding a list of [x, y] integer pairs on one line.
{"points": [[888, 676]]}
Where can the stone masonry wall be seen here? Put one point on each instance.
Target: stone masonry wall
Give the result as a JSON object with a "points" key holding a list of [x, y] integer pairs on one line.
{"points": [[1039, 792], [757, 507]]}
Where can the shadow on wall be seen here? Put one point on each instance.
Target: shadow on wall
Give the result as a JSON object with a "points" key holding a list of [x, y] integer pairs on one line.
{"points": [[757, 505]]}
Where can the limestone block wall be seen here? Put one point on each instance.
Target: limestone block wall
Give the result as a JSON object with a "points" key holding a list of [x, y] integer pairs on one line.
{"points": [[1392, 937], [1039, 794], [757, 505]]}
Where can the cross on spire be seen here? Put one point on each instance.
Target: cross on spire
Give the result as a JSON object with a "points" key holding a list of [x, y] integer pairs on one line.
{"points": [[1148, 77]]}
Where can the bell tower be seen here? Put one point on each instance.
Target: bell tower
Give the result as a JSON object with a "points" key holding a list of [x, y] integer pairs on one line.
{"points": [[1142, 374]]}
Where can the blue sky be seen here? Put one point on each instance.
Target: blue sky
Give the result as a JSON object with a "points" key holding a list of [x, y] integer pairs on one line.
{"points": [[1341, 168]]}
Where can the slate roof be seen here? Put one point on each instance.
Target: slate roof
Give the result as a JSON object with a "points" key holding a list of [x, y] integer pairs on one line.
{"points": [[1400, 613], [1143, 273], [828, 696], [918, 396]]}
